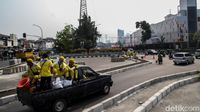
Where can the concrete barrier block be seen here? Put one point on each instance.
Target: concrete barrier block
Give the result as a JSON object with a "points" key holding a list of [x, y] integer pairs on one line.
{"points": [[168, 90], [7, 99], [142, 85], [177, 85], [131, 90], [155, 80], [147, 83], [163, 92], [172, 87], [116, 98], [193, 72], [193, 80], [124, 94], [140, 109], [154, 100], [108, 103], [97, 108], [182, 83], [159, 96], [148, 105]]}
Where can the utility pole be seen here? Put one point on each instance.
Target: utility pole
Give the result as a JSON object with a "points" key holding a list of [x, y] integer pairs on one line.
{"points": [[83, 9]]}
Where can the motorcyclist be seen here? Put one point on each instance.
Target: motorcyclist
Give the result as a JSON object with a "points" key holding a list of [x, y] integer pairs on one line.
{"points": [[160, 59]]}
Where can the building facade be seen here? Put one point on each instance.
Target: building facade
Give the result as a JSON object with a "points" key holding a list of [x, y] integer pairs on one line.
{"points": [[198, 19], [120, 35], [45, 44], [8, 41], [174, 28]]}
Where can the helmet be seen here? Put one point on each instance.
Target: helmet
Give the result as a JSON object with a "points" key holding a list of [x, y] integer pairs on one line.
{"points": [[62, 58], [71, 60], [30, 60]]}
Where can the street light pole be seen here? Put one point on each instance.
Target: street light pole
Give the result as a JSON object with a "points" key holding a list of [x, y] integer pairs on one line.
{"points": [[40, 30], [41, 35]]}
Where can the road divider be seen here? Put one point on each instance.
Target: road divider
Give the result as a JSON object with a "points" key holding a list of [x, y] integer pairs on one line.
{"points": [[152, 101], [15, 69], [124, 94]]}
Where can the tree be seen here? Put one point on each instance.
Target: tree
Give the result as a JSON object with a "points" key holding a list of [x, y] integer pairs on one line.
{"points": [[86, 34], [162, 40], [146, 30], [64, 39], [196, 37]]}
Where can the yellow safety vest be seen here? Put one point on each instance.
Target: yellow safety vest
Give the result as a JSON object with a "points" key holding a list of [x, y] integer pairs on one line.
{"points": [[46, 66], [74, 72], [60, 69], [33, 71]]}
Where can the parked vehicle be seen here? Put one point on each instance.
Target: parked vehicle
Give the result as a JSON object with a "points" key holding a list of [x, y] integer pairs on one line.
{"points": [[197, 53], [183, 57], [58, 99], [151, 52]]}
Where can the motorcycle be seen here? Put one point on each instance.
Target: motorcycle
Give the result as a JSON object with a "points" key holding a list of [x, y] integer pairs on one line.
{"points": [[160, 60]]}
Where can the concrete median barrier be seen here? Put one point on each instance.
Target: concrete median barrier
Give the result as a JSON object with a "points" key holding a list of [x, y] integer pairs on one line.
{"points": [[151, 102], [7, 99], [148, 105], [15, 69]]}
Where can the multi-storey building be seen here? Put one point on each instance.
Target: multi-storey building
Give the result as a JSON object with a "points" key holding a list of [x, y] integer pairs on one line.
{"points": [[174, 28]]}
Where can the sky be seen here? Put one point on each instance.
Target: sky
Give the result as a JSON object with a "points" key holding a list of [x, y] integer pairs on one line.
{"points": [[18, 16]]}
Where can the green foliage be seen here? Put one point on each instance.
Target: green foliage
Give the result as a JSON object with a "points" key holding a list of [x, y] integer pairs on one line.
{"points": [[79, 51], [44, 52], [64, 39], [146, 30], [86, 35]]}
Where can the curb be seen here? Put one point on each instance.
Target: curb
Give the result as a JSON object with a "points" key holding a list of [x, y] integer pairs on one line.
{"points": [[128, 68], [10, 98], [152, 101], [124, 94], [7, 99]]}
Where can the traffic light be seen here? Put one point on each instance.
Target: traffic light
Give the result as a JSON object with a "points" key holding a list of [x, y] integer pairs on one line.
{"points": [[24, 35]]}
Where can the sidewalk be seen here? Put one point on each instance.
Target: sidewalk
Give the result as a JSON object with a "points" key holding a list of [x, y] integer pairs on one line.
{"points": [[10, 81]]}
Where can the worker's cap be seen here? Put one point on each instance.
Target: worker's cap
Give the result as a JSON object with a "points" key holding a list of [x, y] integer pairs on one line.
{"points": [[62, 58], [30, 60], [72, 60]]}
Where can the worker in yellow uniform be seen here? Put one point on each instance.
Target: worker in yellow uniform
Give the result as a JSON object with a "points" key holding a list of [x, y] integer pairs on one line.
{"points": [[46, 73], [60, 68], [33, 72], [73, 69]]}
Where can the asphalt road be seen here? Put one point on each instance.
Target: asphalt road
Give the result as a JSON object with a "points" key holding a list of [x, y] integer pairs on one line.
{"points": [[122, 82], [100, 63]]}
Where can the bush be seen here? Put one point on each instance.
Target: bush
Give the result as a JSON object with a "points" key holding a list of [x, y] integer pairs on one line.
{"points": [[79, 51]]}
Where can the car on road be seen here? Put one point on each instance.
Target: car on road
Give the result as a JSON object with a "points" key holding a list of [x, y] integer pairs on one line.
{"points": [[183, 58], [58, 99], [151, 52], [197, 53]]}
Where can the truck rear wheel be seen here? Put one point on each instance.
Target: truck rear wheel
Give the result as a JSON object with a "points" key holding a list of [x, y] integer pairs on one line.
{"points": [[59, 105]]}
